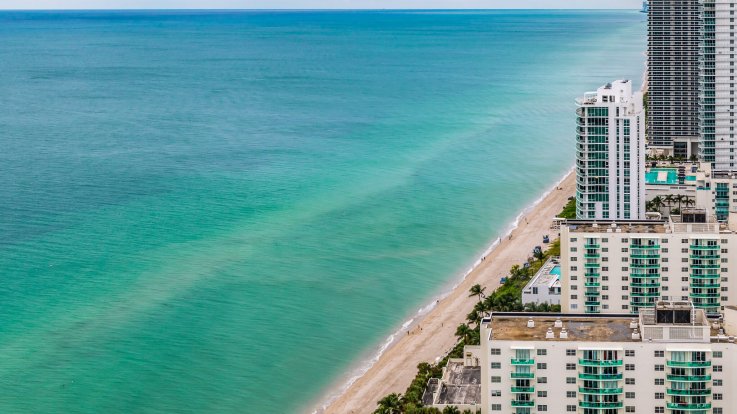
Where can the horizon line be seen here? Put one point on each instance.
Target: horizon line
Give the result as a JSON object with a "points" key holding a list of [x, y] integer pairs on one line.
{"points": [[309, 9]]}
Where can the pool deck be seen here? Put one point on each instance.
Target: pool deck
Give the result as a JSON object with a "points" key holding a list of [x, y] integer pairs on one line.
{"points": [[547, 277]]}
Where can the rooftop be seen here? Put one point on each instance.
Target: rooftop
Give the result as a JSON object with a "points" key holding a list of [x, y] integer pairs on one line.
{"points": [[613, 226], [460, 385], [668, 322], [514, 326]]}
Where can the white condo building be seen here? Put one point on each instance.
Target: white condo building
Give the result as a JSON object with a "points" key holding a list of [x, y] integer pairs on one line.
{"points": [[717, 84], [610, 153], [623, 267], [668, 359]]}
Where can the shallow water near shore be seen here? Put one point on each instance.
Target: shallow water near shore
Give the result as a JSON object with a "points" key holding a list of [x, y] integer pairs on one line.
{"points": [[221, 212]]}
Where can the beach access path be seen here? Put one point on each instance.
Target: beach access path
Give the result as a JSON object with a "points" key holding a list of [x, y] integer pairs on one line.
{"points": [[434, 335]]}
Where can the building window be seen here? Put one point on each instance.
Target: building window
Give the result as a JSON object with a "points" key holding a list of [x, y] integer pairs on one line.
{"points": [[496, 393], [629, 367], [542, 394], [717, 410], [629, 352], [629, 381], [570, 352], [570, 380], [659, 367], [496, 351], [629, 409], [717, 396], [496, 407], [659, 410], [542, 365], [496, 365], [717, 368], [571, 394], [629, 395], [542, 380], [542, 352], [570, 367], [571, 408], [542, 408], [659, 381], [659, 354], [659, 395], [717, 383]]}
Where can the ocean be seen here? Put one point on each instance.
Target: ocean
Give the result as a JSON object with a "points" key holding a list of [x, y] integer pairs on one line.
{"points": [[232, 211]]}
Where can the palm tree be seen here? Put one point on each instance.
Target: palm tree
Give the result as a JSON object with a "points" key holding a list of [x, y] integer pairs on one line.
{"points": [[658, 203], [669, 199], [391, 404], [477, 290], [539, 255], [690, 202], [694, 158], [451, 409], [473, 317], [464, 332]]}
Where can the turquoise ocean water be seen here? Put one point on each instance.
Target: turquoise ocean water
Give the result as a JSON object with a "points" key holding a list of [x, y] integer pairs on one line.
{"points": [[227, 211]]}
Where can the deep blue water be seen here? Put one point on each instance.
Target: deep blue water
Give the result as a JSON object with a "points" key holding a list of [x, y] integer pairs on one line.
{"points": [[225, 211]]}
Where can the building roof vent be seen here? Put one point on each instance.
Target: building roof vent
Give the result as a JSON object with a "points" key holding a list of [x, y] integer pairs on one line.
{"points": [[635, 335], [558, 323], [530, 323], [549, 334], [563, 334], [633, 324]]}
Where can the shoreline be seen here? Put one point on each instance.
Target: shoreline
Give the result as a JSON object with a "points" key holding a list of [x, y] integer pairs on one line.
{"points": [[355, 394]]}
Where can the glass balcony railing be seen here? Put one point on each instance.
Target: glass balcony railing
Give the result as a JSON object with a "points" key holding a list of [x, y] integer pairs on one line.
{"points": [[519, 403], [600, 377], [521, 361], [684, 406], [591, 404], [523, 390], [688, 363], [672, 391], [522, 375], [689, 378], [584, 390], [600, 363]]}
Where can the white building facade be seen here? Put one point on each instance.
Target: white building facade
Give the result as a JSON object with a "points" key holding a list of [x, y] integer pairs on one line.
{"points": [[652, 363], [717, 84], [610, 153], [623, 267]]}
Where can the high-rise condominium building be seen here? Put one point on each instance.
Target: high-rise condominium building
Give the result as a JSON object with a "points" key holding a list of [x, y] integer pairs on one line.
{"points": [[673, 76], [668, 359], [717, 80], [624, 267], [610, 153]]}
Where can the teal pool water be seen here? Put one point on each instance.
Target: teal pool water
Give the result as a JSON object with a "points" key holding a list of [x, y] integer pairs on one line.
{"points": [[661, 176], [225, 212], [555, 270]]}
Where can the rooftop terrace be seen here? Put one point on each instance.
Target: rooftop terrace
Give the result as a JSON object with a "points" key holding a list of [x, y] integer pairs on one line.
{"points": [[629, 226], [514, 326]]}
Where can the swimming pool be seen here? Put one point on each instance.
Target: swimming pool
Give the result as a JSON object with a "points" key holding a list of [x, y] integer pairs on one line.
{"points": [[555, 270], [664, 176]]}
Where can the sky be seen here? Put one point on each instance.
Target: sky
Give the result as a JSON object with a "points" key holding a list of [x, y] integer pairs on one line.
{"points": [[319, 4]]}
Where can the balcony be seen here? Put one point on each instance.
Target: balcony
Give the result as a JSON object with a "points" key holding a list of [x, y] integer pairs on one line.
{"points": [[642, 246], [689, 378], [600, 363], [591, 265], [516, 361], [522, 375], [700, 247], [523, 390], [679, 406], [672, 391], [645, 294], [592, 303], [591, 246], [590, 404], [520, 403], [583, 390], [709, 276], [704, 295], [689, 363], [591, 256], [706, 286], [600, 377]]}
